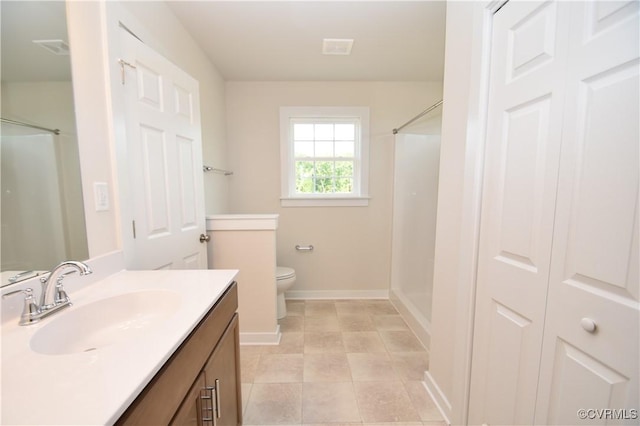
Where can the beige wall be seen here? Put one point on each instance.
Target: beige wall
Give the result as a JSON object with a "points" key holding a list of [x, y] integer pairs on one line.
{"points": [[352, 244], [87, 41], [253, 253]]}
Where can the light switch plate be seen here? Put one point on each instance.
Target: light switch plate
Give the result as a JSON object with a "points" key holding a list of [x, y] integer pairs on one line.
{"points": [[101, 196]]}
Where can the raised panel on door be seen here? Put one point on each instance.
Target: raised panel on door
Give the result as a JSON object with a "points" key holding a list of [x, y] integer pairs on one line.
{"points": [[165, 153], [521, 166], [189, 209], [594, 273], [150, 87], [184, 103], [509, 354], [581, 382], [155, 178], [187, 170]]}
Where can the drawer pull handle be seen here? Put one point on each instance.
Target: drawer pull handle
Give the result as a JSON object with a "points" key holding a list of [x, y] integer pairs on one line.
{"points": [[589, 325], [207, 409], [218, 407], [203, 406]]}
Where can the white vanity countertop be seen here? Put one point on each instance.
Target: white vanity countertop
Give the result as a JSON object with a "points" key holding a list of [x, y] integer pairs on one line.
{"points": [[96, 387]]}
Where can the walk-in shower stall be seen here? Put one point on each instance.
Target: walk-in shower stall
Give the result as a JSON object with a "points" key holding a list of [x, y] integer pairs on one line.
{"points": [[415, 200]]}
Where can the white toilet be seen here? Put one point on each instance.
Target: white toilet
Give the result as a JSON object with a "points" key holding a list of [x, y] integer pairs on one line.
{"points": [[285, 277]]}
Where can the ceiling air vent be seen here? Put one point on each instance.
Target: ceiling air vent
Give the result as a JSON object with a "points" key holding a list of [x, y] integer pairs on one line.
{"points": [[57, 47], [337, 46]]}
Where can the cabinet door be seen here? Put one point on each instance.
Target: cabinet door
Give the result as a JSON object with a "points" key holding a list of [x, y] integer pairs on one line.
{"points": [[191, 412], [222, 373]]}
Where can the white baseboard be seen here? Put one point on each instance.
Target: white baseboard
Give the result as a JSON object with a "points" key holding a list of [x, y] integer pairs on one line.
{"points": [[414, 319], [261, 338], [441, 401], [336, 294]]}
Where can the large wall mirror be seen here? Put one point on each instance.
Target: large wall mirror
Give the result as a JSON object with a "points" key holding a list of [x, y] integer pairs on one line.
{"points": [[42, 215]]}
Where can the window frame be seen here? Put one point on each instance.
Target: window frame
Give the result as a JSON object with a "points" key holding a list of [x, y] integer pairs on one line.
{"points": [[360, 195]]}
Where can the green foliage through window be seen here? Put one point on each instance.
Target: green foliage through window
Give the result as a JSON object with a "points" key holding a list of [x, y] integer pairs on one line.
{"points": [[324, 154], [324, 177]]}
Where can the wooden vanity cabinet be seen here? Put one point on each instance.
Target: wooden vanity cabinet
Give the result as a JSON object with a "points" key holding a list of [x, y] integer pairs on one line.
{"points": [[222, 378], [191, 410], [200, 383], [214, 399]]}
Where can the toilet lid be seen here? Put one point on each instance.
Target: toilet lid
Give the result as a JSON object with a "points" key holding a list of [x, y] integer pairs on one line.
{"points": [[283, 272]]}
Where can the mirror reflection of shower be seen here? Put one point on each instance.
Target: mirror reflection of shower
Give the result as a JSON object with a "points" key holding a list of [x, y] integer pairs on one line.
{"points": [[42, 209], [32, 213]]}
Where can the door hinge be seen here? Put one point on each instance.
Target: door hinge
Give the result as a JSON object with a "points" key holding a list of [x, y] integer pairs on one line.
{"points": [[133, 226], [122, 63]]}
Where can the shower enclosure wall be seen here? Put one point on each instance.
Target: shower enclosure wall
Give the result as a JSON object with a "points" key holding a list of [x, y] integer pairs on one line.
{"points": [[414, 224]]}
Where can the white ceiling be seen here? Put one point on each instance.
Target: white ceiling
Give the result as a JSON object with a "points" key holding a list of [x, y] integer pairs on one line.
{"points": [[282, 40], [24, 21], [262, 40]]}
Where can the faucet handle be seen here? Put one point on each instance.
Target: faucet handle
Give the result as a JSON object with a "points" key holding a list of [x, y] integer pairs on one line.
{"points": [[30, 310], [28, 292], [61, 295]]}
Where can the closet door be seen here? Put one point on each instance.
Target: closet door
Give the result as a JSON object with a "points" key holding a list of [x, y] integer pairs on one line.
{"points": [[529, 51], [594, 268]]}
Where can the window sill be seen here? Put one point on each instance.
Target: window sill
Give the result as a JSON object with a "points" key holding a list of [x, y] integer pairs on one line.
{"points": [[324, 201]]}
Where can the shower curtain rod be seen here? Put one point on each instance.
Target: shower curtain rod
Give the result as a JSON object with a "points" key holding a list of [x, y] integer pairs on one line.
{"points": [[33, 126], [426, 111]]}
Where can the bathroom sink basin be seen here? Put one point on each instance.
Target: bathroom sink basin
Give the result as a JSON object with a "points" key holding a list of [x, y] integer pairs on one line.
{"points": [[105, 322]]}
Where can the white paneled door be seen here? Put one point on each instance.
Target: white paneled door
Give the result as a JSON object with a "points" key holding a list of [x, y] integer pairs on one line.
{"points": [[590, 353], [529, 52], [164, 150], [559, 227]]}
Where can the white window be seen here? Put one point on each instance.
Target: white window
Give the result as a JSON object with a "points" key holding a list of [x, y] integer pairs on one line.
{"points": [[324, 156]]}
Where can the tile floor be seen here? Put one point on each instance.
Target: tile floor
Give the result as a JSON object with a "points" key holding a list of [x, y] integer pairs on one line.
{"points": [[343, 362]]}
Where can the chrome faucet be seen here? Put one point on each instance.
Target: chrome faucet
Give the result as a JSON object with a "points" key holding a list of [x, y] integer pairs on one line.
{"points": [[53, 296]]}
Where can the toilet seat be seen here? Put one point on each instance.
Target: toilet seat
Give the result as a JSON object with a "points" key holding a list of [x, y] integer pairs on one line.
{"points": [[282, 273], [285, 278]]}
